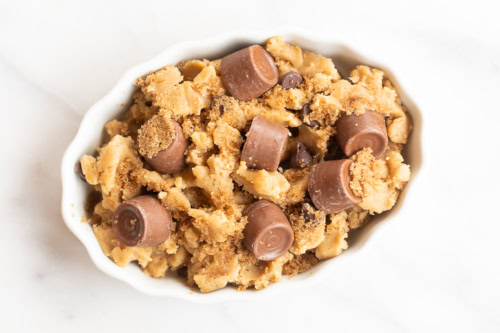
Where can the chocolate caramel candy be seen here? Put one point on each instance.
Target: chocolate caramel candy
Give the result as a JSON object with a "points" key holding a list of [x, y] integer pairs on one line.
{"points": [[141, 221], [329, 186], [357, 132], [248, 73], [268, 234], [264, 145], [156, 132]]}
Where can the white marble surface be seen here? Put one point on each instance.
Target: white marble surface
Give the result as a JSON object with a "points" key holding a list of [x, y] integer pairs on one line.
{"points": [[442, 274]]}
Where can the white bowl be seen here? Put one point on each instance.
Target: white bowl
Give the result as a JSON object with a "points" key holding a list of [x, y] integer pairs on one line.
{"points": [[114, 103]]}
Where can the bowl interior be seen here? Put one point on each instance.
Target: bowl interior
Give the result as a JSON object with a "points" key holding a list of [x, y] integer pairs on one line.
{"points": [[117, 101]]}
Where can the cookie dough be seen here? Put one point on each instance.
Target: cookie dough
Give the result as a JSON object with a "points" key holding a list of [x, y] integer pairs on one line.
{"points": [[231, 167]]}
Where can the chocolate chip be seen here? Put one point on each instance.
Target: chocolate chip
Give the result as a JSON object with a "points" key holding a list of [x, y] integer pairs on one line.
{"points": [[294, 131], [328, 219], [93, 198], [183, 272], [149, 103], [301, 158], [214, 102], [305, 111], [95, 220], [308, 216], [290, 80], [79, 171], [334, 152]]}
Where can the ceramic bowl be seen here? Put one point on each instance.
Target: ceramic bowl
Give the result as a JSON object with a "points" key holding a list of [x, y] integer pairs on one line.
{"points": [[345, 57]]}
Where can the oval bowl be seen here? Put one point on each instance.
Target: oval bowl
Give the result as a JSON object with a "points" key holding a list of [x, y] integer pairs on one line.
{"points": [[345, 57]]}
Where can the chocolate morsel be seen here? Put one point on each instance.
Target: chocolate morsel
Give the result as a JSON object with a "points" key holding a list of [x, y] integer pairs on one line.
{"points": [[305, 111], [357, 132], [301, 158], [141, 221], [79, 171], [171, 159], [248, 73], [290, 80], [329, 186], [268, 234], [264, 145]]}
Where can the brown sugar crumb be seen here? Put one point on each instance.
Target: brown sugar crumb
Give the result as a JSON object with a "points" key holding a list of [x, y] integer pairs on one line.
{"points": [[208, 197], [299, 264], [155, 135]]}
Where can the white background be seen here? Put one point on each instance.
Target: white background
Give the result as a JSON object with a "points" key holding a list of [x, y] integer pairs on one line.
{"points": [[441, 272]]}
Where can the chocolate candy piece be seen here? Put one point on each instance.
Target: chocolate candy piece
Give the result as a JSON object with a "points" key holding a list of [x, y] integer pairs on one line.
{"points": [[171, 159], [306, 212], [79, 171], [248, 73], [334, 152], [290, 80], [305, 111], [141, 221], [265, 144], [357, 132], [302, 158], [329, 186], [268, 234]]}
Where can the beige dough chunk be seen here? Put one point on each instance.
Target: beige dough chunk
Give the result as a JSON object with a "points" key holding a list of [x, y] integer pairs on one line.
{"points": [[357, 217], [299, 264], [308, 64], [273, 271], [399, 129], [153, 180], [313, 64], [115, 127], [158, 266], [175, 99], [178, 259], [298, 180], [315, 139], [116, 162], [335, 238], [213, 268], [308, 234], [214, 226], [89, 169], [160, 81], [280, 116], [261, 183], [207, 83], [378, 182], [281, 49], [121, 255], [191, 68], [201, 148], [175, 200]]}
